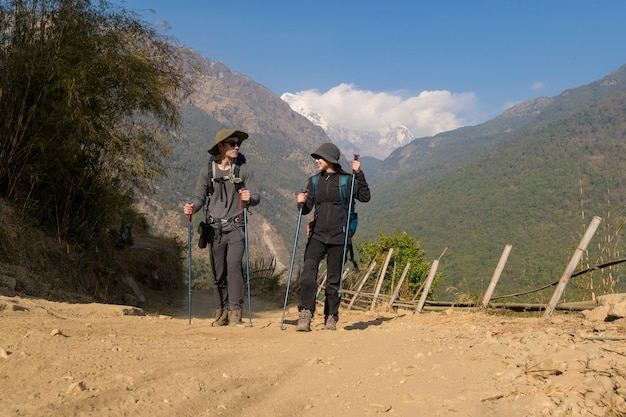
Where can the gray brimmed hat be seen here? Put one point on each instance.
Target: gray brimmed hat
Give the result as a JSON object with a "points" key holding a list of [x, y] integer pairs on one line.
{"points": [[328, 152], [225, 134]]}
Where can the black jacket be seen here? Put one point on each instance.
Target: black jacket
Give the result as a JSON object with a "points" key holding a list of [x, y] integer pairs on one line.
{"points": [[331, 214]]}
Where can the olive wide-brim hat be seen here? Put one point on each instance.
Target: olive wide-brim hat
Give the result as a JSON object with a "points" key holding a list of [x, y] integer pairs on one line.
{"points": [[225, 134]]}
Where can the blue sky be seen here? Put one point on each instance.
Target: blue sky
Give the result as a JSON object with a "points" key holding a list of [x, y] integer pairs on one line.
{"points": [[478, 57]]}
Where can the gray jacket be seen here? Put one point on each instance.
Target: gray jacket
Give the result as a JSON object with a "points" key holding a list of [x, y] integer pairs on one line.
{"points": [[224, 203]]}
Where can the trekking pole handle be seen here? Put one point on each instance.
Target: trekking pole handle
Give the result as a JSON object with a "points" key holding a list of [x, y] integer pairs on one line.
{"points": [[302, 191], [243, 203], [189, 215], [356, 157]]}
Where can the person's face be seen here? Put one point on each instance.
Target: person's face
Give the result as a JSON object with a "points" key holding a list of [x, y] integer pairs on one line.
{"points": [[230, 147], [322, 164]]}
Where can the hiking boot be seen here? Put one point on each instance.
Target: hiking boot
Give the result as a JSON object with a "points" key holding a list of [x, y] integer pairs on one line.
{"points": [[304, 321], [331, 323], [234, 317], [221, 318]]}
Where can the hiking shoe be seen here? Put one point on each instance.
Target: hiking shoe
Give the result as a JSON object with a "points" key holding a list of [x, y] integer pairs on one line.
{"points": [[221, 318], [304, 321], [331, 323], [234, 317]]}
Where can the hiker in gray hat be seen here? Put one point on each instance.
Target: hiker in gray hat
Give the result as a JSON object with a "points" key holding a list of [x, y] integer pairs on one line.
{"points": [[225, 184], [327, 192]]}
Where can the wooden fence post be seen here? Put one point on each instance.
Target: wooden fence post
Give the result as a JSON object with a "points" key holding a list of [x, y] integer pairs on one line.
{"points": [[395, 293], [361, 284], [380, 278], [569, 270], [427, 284], [496, 275]]}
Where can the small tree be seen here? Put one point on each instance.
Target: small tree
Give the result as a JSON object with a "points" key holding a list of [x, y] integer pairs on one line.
{"points": [[406, 249]]}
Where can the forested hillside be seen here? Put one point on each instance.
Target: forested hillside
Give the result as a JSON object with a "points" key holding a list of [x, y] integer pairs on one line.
{"points": [[537, 189]]}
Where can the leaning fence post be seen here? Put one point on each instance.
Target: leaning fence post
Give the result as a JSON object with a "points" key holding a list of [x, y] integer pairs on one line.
{"points": [[429, 280], [361, 284], [496, 276], [395, 293], [427, 284], [569, 270], [380, 278]]}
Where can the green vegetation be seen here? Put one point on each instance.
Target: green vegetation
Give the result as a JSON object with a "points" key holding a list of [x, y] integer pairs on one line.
{"points": [[86, 93], [406, 250]]}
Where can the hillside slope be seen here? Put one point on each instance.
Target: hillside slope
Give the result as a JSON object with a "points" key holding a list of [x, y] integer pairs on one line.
{"points": [[430, 157], [531, 190]]}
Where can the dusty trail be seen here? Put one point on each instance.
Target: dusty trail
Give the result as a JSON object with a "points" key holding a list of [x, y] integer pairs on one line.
{"points": [[64, 359]]}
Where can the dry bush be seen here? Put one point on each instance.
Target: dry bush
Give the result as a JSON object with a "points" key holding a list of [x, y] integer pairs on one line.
{"points": [[60, 271], [43, 259]]}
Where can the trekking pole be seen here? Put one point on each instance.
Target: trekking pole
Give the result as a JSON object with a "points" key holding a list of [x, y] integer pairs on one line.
{"points": [[293, 255], [345, 243], [245, 229], [189, 262]]}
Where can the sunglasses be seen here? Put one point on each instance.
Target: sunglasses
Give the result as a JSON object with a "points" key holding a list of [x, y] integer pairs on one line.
{"points": [[232, 143]]}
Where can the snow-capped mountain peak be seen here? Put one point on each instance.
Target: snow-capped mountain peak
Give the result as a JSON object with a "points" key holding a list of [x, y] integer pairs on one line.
{"points": [[371, 143]]}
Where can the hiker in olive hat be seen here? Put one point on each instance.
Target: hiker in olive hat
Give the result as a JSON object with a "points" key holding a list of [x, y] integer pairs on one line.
{"points": [[327, 192], [225, 184]]}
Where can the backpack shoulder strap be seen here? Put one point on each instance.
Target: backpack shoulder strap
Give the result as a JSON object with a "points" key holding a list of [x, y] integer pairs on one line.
{"points": [[238, 181], [314, 179], [343, 189], [209, 188]]}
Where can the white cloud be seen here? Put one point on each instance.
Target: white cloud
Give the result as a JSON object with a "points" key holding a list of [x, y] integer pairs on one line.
{"points": [[509, 104], [426, 114], [538, 86]]}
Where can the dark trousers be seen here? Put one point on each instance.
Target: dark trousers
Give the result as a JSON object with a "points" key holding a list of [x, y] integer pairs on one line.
{"points": [[227, 251], [313, 255]]}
